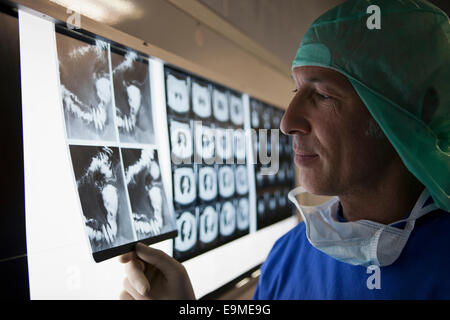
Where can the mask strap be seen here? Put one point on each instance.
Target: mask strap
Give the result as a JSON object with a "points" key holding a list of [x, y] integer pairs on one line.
{"points": [[292, 196], [418, 211]]}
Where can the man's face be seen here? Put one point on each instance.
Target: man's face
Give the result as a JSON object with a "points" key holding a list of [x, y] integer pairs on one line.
{"points": [[329, 122]]}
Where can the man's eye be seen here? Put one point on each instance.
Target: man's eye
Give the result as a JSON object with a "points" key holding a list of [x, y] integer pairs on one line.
{"points": [[322, 96], [295, 90]]}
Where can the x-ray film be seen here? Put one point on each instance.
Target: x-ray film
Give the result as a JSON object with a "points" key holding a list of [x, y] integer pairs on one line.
{"points": [[207, 183], [224, 143], [239, 145], [220, 105], [131, 79], [226, 181], [184, 185], [256, 109], [201, 99], [86, 88], [177, 93], [236, 110], [266, 118], [243, 214], [150, 212], [181, 140], [227, 219], [204, 142], [187, 231], [103, 198], [209, 224], [241, 179]]}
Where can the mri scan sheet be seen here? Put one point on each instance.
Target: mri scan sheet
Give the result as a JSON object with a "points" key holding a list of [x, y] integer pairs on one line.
{"points": [[106, 103]]}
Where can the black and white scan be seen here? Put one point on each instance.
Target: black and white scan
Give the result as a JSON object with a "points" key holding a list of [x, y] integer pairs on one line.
{"points": [[267, 118], [207, 183], [209, 225], [281, 199], [181, 140], [281, 175], [149, 206], [204, 142], [241, 179], [272, 202], [131, 80], [224, 143], [201, 99], [256, 109], [86, 88], [261, 207], [187, 231], [226, 181], [103, 198], [236, 110], [239, 145], [177, 93], [227, 219], [243, 214], [220, 105], [184, 185], [276, 118]]}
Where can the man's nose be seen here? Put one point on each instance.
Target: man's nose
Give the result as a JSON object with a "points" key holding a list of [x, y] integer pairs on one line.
{"points": [[294, 120]]}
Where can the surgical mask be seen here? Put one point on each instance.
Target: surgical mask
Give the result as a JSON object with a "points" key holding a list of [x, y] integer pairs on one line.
{"points": [[361, 242]]}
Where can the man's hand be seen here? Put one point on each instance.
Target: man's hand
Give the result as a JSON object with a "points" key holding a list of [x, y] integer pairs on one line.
{"points": [[152, 274]]}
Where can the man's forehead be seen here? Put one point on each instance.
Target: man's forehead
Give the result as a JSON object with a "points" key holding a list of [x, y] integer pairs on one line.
{"points": [[314, 74]]}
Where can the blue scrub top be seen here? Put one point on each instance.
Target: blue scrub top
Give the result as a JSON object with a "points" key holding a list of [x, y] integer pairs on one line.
{"points": [[296, 270]]}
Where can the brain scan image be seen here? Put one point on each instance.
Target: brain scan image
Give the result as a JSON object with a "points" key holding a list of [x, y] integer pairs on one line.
{"points": [[227, 219], [220, 105], [181, 139], [224, 143], [226, 181], [177, 94], [243, 214], [209, 225], [207, 183], [187, 231], [261, 207], [256, 109], [241, 179], [282, 199], [184, 185], [272, 202], [201, 100], [267, 118], [276, 118], [281, 175], [236, 110], [204, 141], [239, 145]]}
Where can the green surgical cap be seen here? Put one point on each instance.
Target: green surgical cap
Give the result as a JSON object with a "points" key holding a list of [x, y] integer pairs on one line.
{"points": [[401, 71]]}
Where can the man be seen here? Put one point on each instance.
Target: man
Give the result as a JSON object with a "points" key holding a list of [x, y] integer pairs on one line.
{"points": [[370, 125]]}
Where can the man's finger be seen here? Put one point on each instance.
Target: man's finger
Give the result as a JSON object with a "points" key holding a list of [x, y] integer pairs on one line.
{"points": [[135, 274], [155, 257], [124, 295], [127, 257]]}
